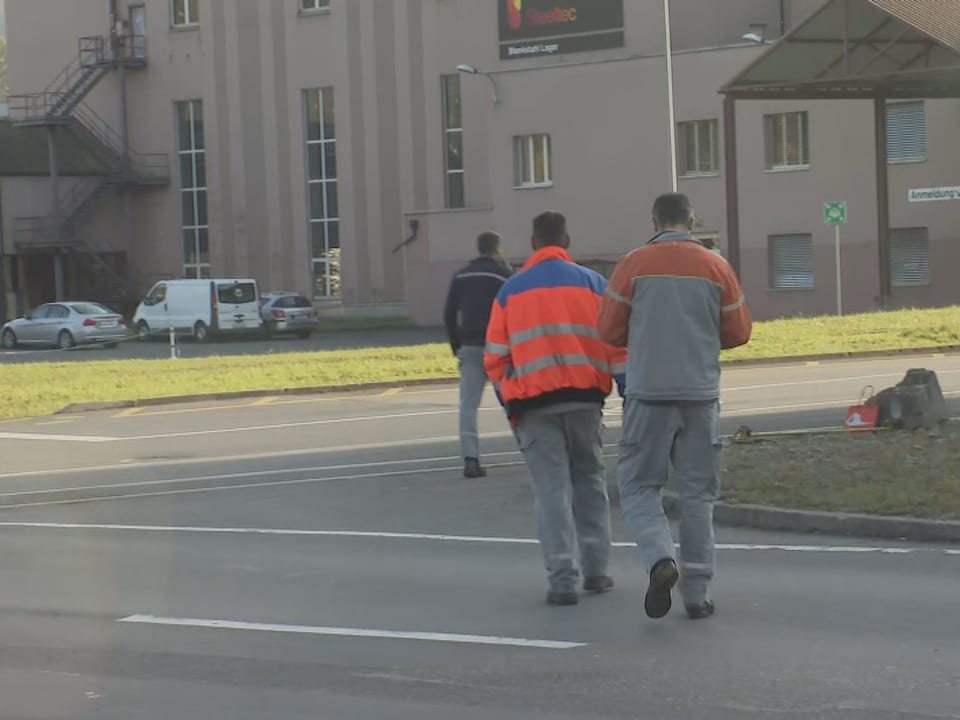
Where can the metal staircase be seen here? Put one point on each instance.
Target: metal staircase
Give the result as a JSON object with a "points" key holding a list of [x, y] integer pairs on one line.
{"points": [[60, 109]]}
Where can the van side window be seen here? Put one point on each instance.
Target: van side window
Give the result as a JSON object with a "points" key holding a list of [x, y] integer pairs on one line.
{"points": [[158, 294]]}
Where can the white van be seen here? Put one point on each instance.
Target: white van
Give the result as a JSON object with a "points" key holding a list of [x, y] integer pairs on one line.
{"points": [[200, 307]]}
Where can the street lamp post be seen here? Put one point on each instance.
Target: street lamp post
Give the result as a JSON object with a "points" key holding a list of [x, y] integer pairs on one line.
{"points": [[671, 108], [472, 70]]}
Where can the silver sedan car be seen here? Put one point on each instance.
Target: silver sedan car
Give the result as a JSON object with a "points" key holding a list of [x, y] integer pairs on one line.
{"points": [[65, 325], [288, 313]]}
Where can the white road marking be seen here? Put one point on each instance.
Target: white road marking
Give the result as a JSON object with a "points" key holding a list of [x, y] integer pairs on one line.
{"points": [[351, 632], [289, 425], [212, 460], [462, 539], [242, 486], [93, 439], [248, 474]]}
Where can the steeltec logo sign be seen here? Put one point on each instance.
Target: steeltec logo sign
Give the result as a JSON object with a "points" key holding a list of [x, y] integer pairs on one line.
{"points": [[530, 28]]}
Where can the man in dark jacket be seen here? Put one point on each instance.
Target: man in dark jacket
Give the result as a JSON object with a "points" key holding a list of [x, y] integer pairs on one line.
{"points": [[467, 313]]}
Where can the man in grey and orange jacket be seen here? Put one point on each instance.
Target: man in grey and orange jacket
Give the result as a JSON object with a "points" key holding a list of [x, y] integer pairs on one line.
{"points": [[554, 374], [674, 305]]}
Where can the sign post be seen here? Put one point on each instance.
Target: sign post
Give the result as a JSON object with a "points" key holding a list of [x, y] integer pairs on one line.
{"points": [[835, 213]]}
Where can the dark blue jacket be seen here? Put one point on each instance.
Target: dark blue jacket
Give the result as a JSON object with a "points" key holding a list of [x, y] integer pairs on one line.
{"points": [[470, 299]]}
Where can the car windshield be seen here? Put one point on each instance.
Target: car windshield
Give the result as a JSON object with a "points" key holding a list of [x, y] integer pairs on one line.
{"points": [[235, 293], [90, 309]]}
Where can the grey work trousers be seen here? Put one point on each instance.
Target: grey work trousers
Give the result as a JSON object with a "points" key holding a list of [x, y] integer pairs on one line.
{"points": [[473, 380], [564, 453], [686, 434]]}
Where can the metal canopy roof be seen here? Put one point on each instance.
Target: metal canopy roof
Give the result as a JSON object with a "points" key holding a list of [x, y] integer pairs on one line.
{"points": [[862, 49]]}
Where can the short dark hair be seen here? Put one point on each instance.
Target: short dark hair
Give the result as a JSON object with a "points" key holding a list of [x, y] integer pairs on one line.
{"points": [[550, 228], [488, 243], [672, 210]]}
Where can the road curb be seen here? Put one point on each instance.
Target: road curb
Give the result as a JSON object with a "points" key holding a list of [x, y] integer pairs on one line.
{"points": [[853, 355], [775, 519], [427, 382], [254, 394]]}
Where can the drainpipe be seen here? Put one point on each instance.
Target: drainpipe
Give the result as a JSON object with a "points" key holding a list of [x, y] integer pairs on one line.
{"points": [[117, 48], [3, 267], [783, 17]]}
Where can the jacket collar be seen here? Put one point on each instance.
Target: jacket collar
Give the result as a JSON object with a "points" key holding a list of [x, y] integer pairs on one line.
{"points": [[551, 252], [670, 236]]}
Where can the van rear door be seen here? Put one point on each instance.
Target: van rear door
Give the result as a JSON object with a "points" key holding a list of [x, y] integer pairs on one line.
{"points": [[238, 306]]}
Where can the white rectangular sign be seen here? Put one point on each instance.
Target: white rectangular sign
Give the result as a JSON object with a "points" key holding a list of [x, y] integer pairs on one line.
{"points": [[934, 194]]}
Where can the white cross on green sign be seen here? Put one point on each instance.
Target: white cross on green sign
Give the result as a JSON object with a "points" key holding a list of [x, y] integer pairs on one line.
{"points": [[835, 213]]}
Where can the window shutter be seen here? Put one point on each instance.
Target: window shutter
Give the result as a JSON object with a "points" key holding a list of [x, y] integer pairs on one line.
{"points": [[909, 257], [791, 262], [906, 131]]}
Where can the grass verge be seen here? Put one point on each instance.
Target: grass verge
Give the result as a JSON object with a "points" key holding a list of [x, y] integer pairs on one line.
{"points": [[36, 389], [888, 473], [890, 331], [43, 388]]}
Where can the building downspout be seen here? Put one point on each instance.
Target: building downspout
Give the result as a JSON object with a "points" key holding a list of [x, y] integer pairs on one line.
{"points": [[783, 17], [117, 39], [3, 266]]}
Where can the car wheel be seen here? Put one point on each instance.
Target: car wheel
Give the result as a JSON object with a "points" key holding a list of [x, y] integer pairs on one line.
{"points": [[9, 339], [143, 331], [65, 340], [200, 332]]}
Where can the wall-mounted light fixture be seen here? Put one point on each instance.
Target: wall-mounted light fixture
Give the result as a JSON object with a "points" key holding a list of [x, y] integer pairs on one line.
{"points": [[472, 70]]}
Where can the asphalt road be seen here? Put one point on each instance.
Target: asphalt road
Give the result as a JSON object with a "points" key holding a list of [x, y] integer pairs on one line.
{"points": [[159, 348], [323, 558]]}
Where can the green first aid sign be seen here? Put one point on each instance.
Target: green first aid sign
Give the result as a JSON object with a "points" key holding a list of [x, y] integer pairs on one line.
{"points": [[835, 213]]}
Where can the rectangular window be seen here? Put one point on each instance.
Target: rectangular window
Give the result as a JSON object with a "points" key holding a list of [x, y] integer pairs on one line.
{"points": [[909, 257], [787, 139], [322, 191], [906, 132], [532, 161], [698, 149], [195, 225], [453, 142], [314, 5], [184, 13], [791, 262]]}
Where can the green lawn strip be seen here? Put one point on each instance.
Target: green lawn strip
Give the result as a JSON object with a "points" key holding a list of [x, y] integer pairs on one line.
{"points": [[891, 331], [887, 473], [41, 388], [36, 389]]}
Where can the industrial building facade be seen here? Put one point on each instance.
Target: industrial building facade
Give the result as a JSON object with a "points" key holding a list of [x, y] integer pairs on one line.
{"points": [[333, 147]]}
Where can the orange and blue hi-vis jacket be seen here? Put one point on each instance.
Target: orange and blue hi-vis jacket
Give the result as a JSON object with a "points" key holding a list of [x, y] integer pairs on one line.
{"points": [[543, 347]]}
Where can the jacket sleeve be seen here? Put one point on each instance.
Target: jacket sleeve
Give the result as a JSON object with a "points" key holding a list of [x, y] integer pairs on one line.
{"points": [[496, 357], [736, 324], [614, 318], [451, 312]]}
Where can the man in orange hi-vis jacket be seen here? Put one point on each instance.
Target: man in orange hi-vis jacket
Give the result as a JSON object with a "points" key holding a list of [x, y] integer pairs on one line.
{"points": [[674, 304], [553, 375]]}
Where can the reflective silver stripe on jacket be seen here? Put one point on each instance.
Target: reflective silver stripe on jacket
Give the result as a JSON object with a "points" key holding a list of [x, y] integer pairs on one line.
{"points": [[550, 361], [551, 330], [498, 349]]}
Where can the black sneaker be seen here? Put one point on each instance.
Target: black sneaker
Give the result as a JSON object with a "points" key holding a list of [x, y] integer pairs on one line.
{"points": [[472, 469], [562, 599], [662, 579], [598, 584], [701, 612]]}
